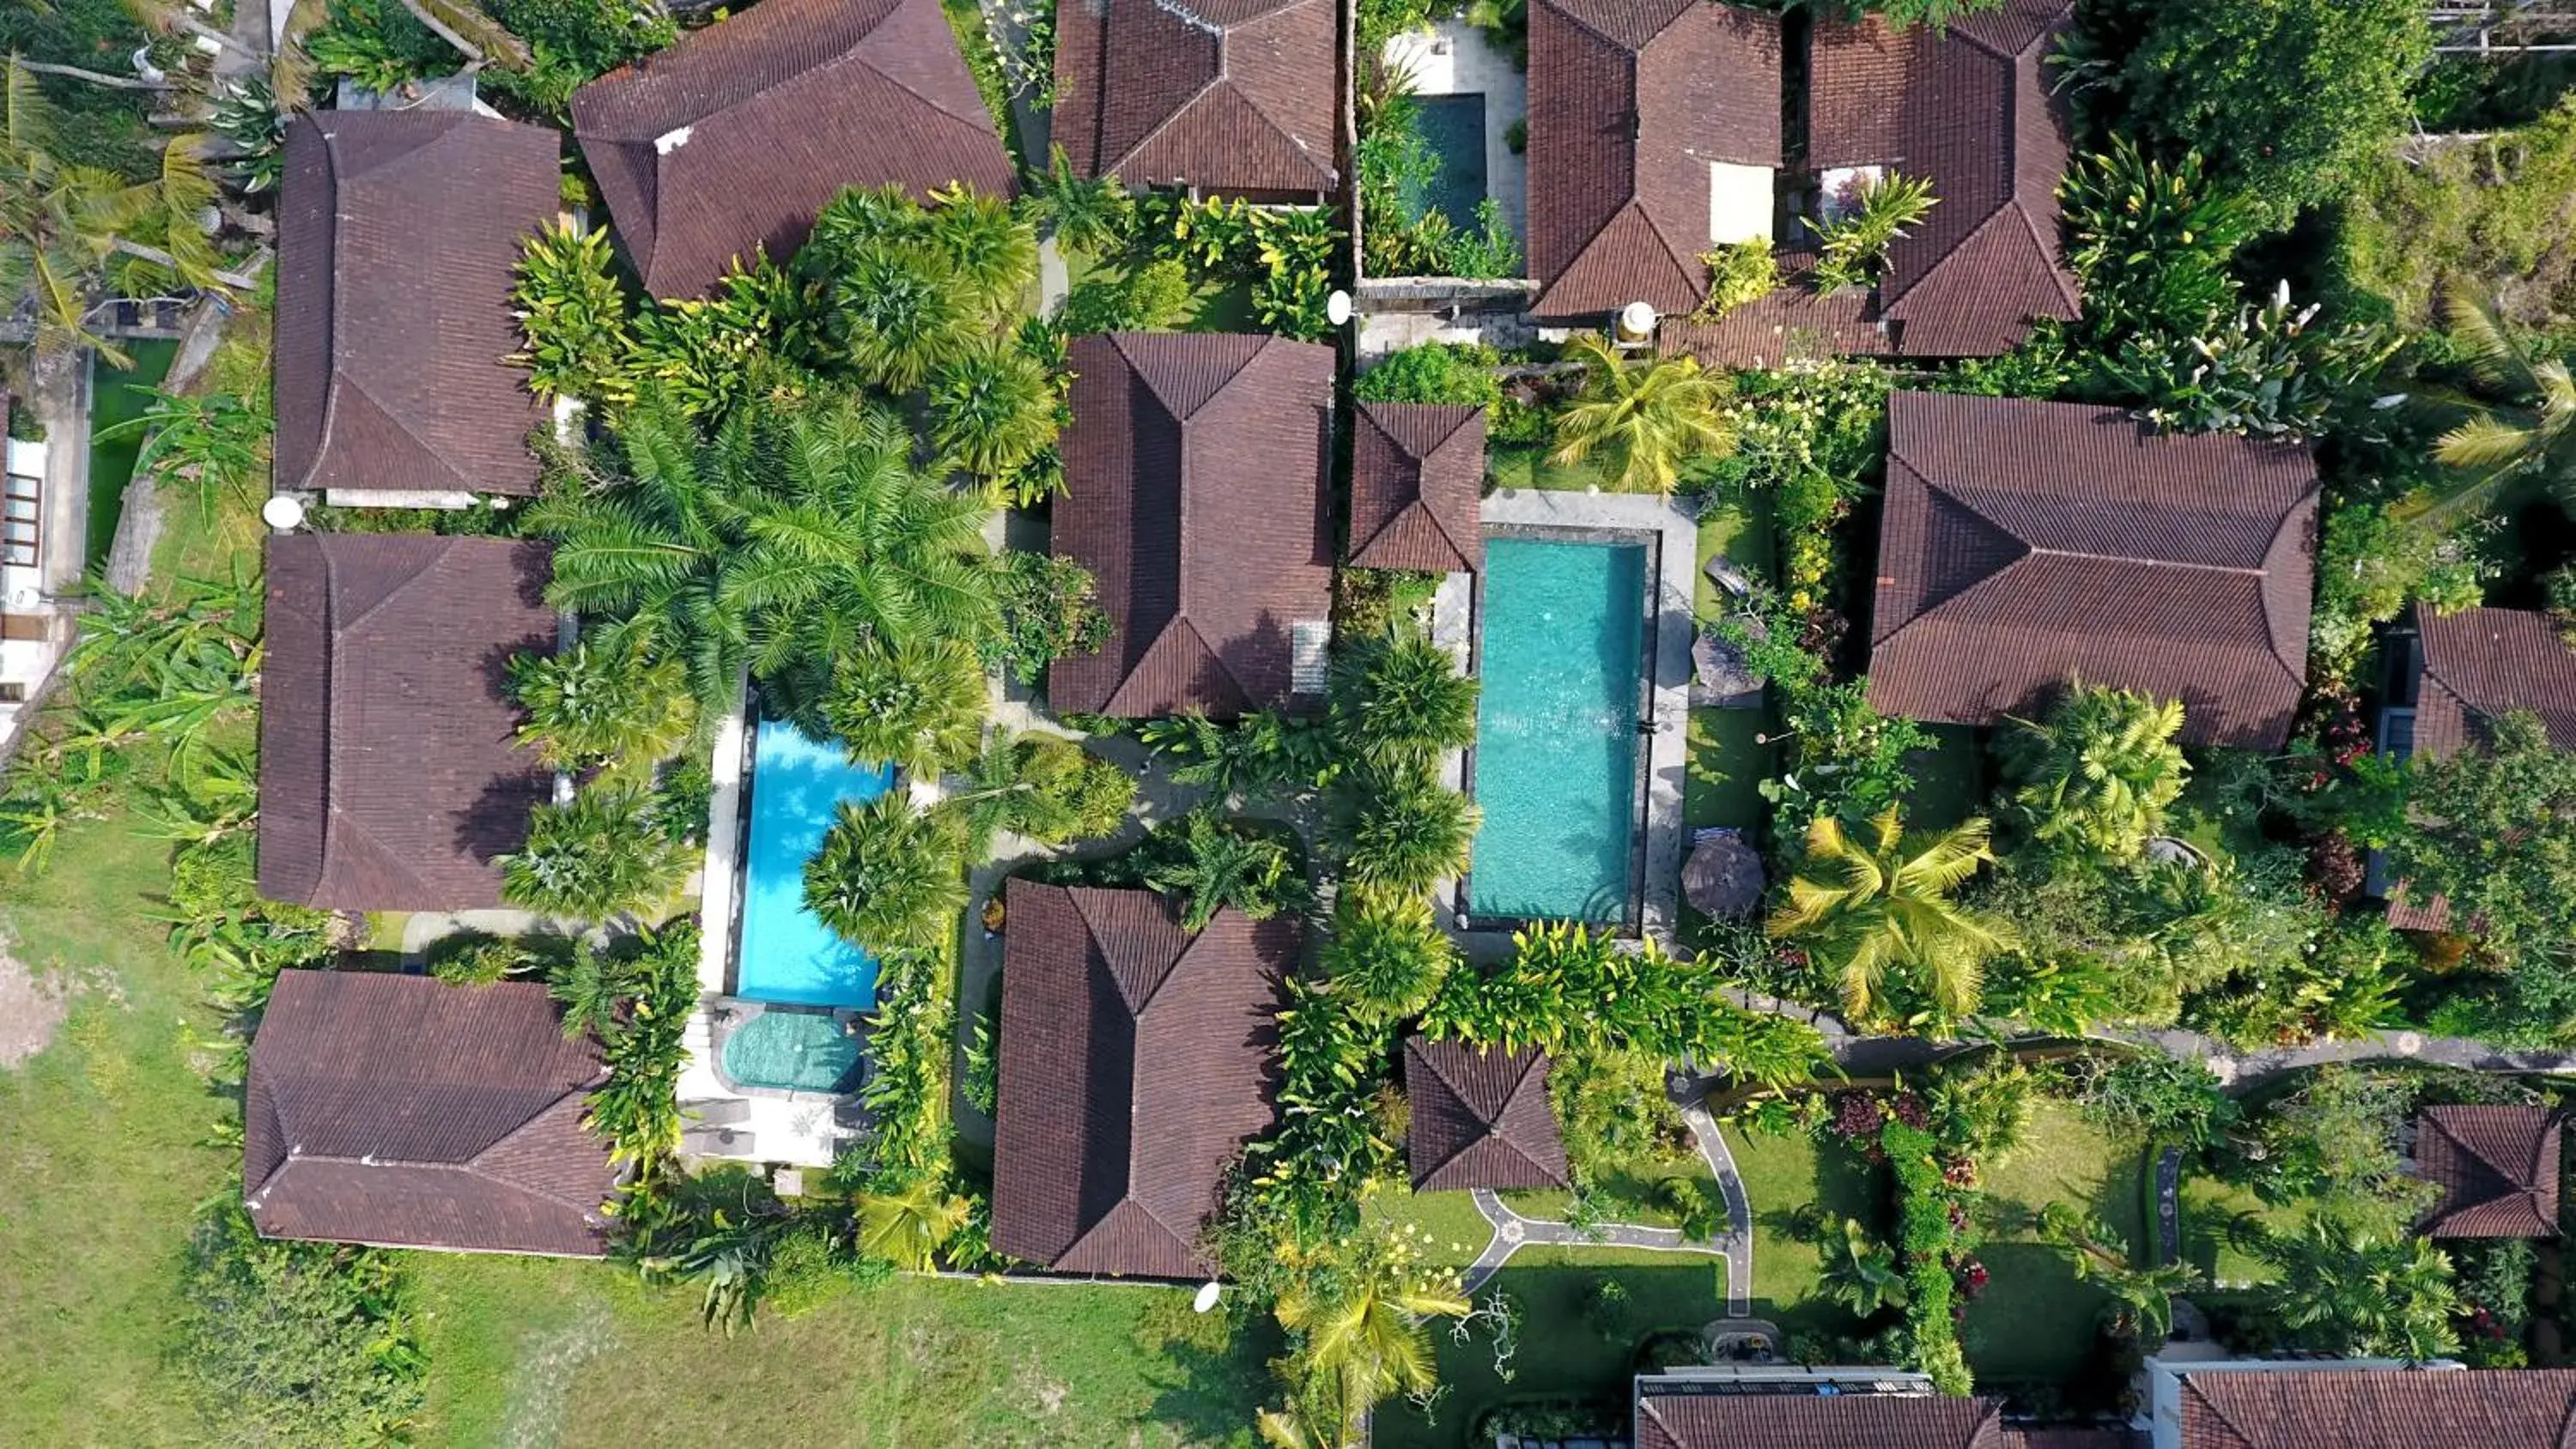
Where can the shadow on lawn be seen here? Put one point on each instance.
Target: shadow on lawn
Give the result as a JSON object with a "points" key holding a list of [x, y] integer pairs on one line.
{"points": [[1211, 1370]]}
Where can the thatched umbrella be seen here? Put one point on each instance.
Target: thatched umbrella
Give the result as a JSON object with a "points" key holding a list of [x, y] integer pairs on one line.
{"points": [[1723, 878]]}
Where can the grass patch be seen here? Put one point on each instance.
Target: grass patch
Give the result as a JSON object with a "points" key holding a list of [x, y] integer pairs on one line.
{"points": [[1561, 1355], [1222, 306], [1738, 528], [1727, 768], [2034, 1320], [1454, 1230], [116, 397], [1951, 781], [2207, 1206], [1525, 465], [1783, 1174]]}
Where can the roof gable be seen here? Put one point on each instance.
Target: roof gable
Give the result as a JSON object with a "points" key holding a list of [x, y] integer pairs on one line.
{"points": [[1136, 1062], [732, 140], [398, 234], [2483, 664], [1480, 1118], [2029, 545], [2499, 1169], [1224, 95]]}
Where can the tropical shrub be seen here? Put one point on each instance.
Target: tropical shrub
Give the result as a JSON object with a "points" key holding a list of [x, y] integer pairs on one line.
{"points": [[913, 1039], [574, 317], [297, 1343], [1434, 372], [604, 704], [217, 440], [571, 42], [2334, 1143], [2372, 561], [480, 960], [1401, 701], [2483, 216], [1935, 1240], [1386, 957], [993, 408], [907, 1227], [225, 931], [1156, 296], [918, 707], [1304, 1182], [379, 45], [1049, 609], [1090, 214], [2100, 771], [1852, 247], [1647, 417], [1262, 755], [2494, 829], [656, 991], [889, 876], [2269, 373], [2151, 242], [1738, 273], [2158, 1093], [1401, 832], [1865, 906], [594, 858], [1208, 863], [2355, 1292], [705, 355]]}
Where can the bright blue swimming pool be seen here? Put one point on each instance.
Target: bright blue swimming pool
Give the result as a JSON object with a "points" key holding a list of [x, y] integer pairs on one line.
{"points": [[1556, 729], [788, 954]]}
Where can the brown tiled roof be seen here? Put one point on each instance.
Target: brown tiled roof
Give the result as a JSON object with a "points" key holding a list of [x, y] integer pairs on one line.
{"points": [[2483, 664], [2380, 1409], [388, 774], [1197, 494], [732, 140], [1224, 95], [1682, 1420], [397, 232], [1137, 1060], [1417, 479], [1629, 102], [1792, 321], [1971, 109], [1480, 1118], [399, 1110], [2498, 1168], [2027, 545]]}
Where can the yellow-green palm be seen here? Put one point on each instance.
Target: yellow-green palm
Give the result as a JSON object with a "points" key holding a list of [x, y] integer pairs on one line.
{"points": [[1867, 905], [2531, 432], [1646, 418], [908, 1228], [2101, 770], [1365, 1332]]}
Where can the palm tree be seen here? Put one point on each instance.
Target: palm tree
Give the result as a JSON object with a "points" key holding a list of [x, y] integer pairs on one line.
{"points": [[1220, 864], [916, 706], [2101, 770], [1860, 1272], [1865, 906], [589, 985], [217, 439], [70, 232], [604, 703], [1405, 832], [992, 409], [888, 876], [2100, 1256], [1089, 214], [908, 1228], [2531, 433], [1402, 700], [1044, 787], [1387, 957], [729, 1256], [900, 312], [992, 253], [1361, 1324], [594, 858], [1647, 416], [2356, 1293]]}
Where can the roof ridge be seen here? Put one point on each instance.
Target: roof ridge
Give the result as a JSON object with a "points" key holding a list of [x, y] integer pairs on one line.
{"points": [[2008, 202], [475, 1165], [2221, 1415], [334, 819]]}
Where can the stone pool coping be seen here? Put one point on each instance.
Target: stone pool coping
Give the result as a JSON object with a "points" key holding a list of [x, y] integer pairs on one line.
{"points": [[1668, 749]]}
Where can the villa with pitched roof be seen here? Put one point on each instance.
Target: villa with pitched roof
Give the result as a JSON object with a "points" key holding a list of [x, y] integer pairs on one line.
{"points": [[1480, 1118], [728, 143], [1229, 96], [2354, 1404], [2031, 545], [1417, 480], [1198, 493], [397, 236], [390, 772], [403, 1112], [1138, 1057], [2499, 1169]]}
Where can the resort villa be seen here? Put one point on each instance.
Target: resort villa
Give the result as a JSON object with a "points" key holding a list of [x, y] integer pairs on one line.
{"points": [[40, 554], [1234, 98], [722, 148], [1480, 1118], [2351, 1404]]}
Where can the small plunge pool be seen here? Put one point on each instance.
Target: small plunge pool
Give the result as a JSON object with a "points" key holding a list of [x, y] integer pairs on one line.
{"points": [[792, 1050]]}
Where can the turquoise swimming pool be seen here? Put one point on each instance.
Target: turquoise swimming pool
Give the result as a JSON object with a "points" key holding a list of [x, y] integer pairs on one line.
{"points": [[794, 1051], [1560, 656], [787, 954]]}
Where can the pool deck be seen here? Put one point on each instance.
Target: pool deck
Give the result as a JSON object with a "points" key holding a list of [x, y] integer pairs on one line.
{"points": [[1668, 748]]}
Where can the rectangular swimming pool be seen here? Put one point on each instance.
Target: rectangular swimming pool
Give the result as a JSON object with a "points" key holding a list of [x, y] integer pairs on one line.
{"points": [[1562, 627], [786, 953]]}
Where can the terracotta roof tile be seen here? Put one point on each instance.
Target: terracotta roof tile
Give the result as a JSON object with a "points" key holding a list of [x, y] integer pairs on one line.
{"points": [[1137, 1060], [1630, 101], [2380, 1409], [1417, 481], [1684, 1420], [397, 235], [2499, 1169], [1197, 494], [2482, 664], [389, 773], [1223, 95], [1971, 109], [2027, 545], [730, 141], [1479, 1118], [399, 1110]]}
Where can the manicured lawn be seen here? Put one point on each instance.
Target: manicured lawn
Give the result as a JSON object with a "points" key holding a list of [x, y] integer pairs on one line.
{"points": [[1453, 1231], [1561, 1355], [2207, 1206], [114, 399], [1951, 782], [1739, 527], [528, 1350], [1783, 1174], [1727, 768], [1525, 465], [2034, 1320]]}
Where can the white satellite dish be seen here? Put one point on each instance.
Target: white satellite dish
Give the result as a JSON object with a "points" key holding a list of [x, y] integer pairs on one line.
{"points": [[1636, 321], [281, 512], [1337, 307], [1209, 1293]]}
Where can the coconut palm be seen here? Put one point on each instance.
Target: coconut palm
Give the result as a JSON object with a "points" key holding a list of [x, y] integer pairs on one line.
{"points": [[1402, 700], [1361, 1322], [2531, 433], [604, 703], [916, 706], [1211, 864], [1645, 417], [589, 984], [1044, 787], [908, 1228], [888, 876], [2101, 770], [1387, 957], [2349, 1291], [1088, 213], [2101, 1257], [1405, 832], [1860, 1272], [728, 1256], [1866, 905], [993, 408], [594, 858]]}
